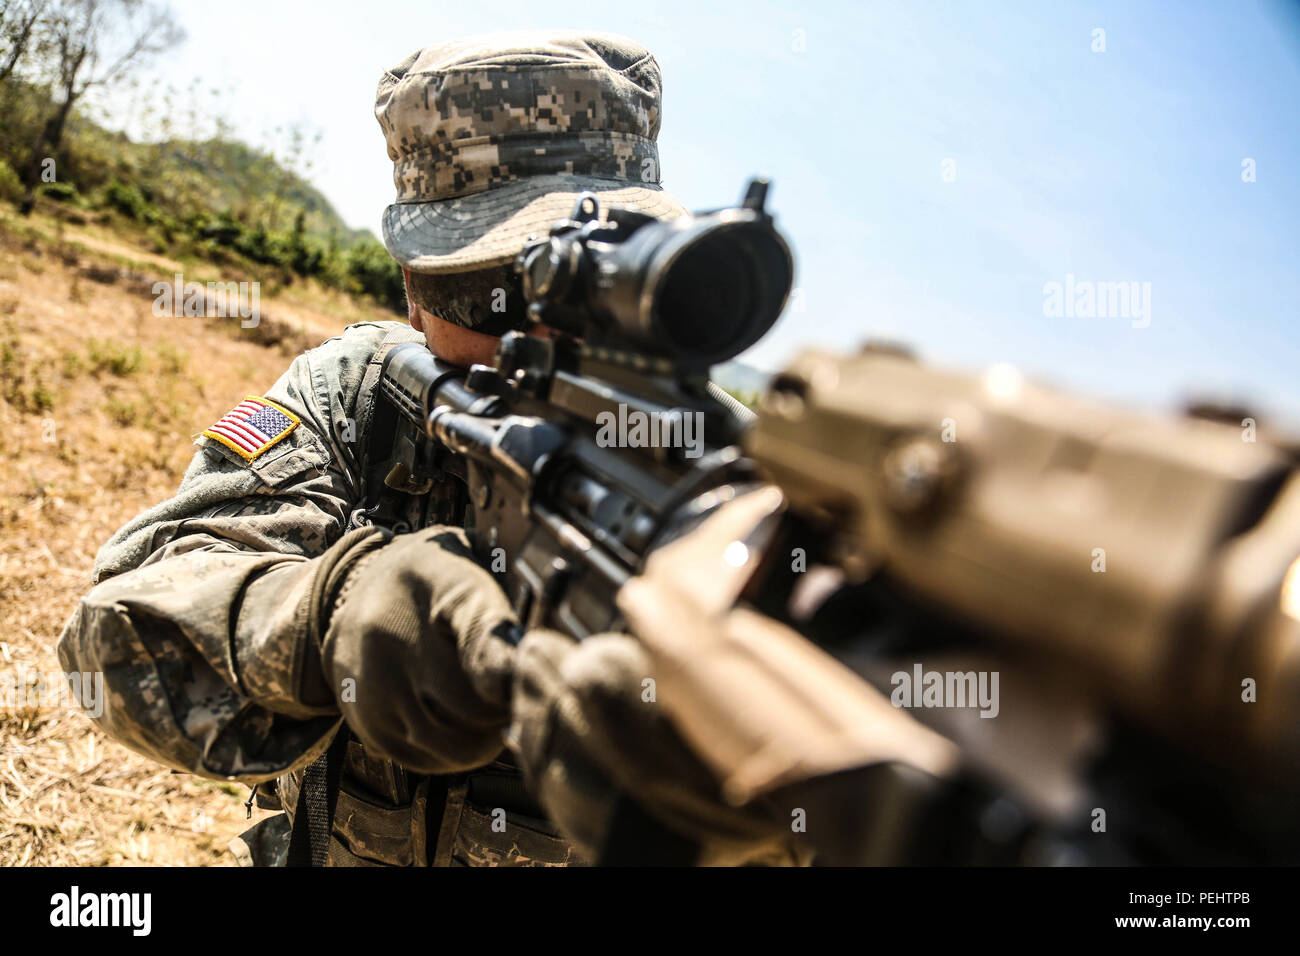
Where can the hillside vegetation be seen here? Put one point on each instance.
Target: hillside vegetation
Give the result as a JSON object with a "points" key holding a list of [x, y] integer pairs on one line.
{"points": [[237, 210], [101, 397], [99, 402]]}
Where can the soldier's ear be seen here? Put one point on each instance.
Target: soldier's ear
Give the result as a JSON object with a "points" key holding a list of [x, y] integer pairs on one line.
{"points": [[412, 312]]}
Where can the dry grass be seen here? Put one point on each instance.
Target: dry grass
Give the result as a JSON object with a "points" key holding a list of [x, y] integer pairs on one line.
{"points": [[99, 400]]}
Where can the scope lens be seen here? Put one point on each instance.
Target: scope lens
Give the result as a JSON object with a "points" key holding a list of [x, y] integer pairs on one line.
{"points": [[723, 292]]}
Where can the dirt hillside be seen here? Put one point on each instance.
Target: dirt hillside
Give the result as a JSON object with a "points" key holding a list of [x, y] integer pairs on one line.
{"points": [[99, 400]]}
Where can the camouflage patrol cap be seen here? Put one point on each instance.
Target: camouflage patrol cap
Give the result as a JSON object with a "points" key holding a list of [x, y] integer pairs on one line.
{"points": [[493, 137]]}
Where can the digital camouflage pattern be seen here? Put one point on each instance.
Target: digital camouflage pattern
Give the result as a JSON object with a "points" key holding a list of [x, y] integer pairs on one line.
{"points": [[460, 119], [198, 602], [493, 137], [199, 605]]}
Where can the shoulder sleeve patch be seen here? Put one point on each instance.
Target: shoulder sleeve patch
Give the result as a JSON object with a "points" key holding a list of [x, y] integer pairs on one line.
{"points": [[253, 426]]}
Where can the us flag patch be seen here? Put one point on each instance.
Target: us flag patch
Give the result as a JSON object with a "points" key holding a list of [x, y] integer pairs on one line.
{"points": [[253, 426]]}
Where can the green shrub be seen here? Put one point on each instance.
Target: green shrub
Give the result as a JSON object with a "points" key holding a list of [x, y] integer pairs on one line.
{"points": [[306, 257], [108, 356], [375, 273], [221, 230], [264, 247], [11, 187], [173, 360], [60, 192], [127, 200], [125, 412]]}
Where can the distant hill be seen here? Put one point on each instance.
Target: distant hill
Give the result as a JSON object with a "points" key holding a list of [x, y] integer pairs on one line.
{"points": [[226, 168], [739, 378], [218, 200]]}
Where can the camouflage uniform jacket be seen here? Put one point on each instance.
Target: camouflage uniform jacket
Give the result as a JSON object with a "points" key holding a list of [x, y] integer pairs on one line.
{"points": [[195, 611]]}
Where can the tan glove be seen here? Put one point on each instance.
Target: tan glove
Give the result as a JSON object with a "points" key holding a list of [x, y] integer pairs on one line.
{"points": [[760, 704], [744, 707], [418, 651], [587, 727]]}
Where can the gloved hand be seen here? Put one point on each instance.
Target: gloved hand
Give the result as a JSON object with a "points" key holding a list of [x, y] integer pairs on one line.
{"points": [[745, 710], [587, 727], [415, 644]]}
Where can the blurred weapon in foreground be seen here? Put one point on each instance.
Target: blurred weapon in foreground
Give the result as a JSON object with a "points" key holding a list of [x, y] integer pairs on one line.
{"points": [[1132, 584], [1135, 581]]}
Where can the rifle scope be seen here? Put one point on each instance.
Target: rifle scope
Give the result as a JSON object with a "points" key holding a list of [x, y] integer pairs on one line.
{"points": [[698, 289]]}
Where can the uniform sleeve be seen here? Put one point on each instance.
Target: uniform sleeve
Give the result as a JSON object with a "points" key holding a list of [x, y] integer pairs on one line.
{"points": [[198, 614]]}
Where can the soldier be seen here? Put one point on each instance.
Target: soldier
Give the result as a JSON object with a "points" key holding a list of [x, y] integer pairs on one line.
{"points": [[288, 620]]}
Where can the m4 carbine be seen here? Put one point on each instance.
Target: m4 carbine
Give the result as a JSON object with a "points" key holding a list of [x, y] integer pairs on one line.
{"points": [[1135, 582], [585, 447]]}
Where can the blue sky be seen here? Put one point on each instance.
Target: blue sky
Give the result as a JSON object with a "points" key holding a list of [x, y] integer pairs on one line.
{"points": [[1123, 165]]}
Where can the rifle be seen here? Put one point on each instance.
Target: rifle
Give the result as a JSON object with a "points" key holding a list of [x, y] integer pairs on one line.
{"points": [[1135, 578], [584, 449]]}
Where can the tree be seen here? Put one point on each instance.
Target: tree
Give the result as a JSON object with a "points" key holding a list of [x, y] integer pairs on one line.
{"points": [[18, 19], [93, 43]]}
